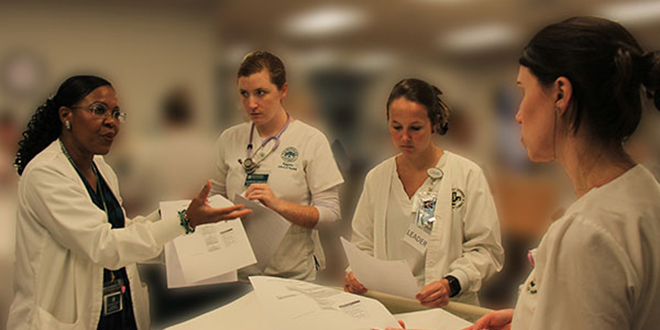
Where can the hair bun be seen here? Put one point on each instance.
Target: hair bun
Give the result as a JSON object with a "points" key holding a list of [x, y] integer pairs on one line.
{"points": [[651, 79]]}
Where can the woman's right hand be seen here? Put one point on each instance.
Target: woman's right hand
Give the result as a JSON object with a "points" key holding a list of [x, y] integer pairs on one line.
{"points": [[495, 320], [352, 285], [200, 212]]}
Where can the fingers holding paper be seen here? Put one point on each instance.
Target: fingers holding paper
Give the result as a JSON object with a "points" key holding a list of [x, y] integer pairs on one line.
{"points": [[434, 294], [263, 193], [200, 212], [352, 285]]}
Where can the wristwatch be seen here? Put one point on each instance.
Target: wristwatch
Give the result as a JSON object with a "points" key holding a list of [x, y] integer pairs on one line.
{"points": [[454, 286]]}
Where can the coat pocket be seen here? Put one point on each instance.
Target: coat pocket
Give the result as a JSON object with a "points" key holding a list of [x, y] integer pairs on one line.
{"points": [[45, 320]]}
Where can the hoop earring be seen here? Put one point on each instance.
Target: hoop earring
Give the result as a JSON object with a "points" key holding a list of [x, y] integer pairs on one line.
{"points": [[67, 124]]}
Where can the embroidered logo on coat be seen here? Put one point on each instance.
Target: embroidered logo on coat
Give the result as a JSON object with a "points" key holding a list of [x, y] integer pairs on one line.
{"points": [[290, 154], [457, 198]]}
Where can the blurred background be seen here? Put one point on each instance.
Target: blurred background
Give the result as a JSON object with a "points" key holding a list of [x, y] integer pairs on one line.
{"points": [[174, 63]]}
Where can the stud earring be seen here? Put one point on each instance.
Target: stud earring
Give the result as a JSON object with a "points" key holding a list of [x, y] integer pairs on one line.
{"points": [[67, 124]]}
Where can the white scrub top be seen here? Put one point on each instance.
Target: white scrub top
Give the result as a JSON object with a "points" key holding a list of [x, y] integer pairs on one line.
{"points": [[300, 167], [598, 267], [399, 217]]}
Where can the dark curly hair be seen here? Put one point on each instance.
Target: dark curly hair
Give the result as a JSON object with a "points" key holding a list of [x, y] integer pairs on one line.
{"points": [[45, 125], [607, 69], [428, 95]]}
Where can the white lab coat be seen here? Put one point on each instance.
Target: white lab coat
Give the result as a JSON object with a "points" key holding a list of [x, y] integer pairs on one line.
{"points": [[598, 267], [64, 241], [465, 242]]}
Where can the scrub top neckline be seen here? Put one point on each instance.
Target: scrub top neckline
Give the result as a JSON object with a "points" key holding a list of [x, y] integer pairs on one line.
{"points": [[638, 167], [440, 164]]}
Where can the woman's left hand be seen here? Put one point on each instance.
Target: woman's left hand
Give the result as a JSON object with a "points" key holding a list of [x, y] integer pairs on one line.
{"points": [[435, 294], [263, 193]]}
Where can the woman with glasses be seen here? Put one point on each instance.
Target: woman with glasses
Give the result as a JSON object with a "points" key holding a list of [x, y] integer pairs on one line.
{"points": [[282, 162], [76, 251]]}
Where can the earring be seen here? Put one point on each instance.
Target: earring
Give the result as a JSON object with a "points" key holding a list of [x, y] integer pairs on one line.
{"points": [[557, 110], [67, 124]]}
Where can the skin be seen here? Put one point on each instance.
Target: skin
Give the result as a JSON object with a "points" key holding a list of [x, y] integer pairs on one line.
{"points": [[90, 135], [411, 132], [262, 102]]}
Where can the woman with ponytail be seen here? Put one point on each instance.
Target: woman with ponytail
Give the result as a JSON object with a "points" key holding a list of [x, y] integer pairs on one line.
{"points": [[76, 252], [427, 205], [597, 267]]}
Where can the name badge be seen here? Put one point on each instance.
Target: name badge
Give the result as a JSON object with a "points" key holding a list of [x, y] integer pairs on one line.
{"points": [[113, 297], [417, 238], [256, 178]]}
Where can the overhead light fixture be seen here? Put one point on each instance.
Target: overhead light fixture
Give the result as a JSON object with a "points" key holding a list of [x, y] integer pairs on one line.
{"points": [[479, 37], [325, 21], [632, 12]]}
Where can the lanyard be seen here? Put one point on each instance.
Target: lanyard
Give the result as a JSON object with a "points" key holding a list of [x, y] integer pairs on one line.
{"points": [[249, 165], [96, 175]]}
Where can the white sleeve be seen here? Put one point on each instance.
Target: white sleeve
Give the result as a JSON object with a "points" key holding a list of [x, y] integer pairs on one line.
{"points": [[219, 180], [327, 203], [321, 169], [483, 255], [64, 208], [363, 221], [587, 283]]}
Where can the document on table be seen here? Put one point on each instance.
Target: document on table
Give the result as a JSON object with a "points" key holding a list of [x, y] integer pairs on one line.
{"points": [[213, 249], [265, 228], [388, 276], [433, 319], [297, 305]]}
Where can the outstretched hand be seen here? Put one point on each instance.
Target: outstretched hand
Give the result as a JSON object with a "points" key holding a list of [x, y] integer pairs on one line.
{"points": [[495, 320], [200, 212]]}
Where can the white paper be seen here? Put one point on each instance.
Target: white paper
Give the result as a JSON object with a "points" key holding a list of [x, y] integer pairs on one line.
{"points": [[242, 314], [298, 305], [387, 276], [433, 319], [213, 249], [265, 229], [175, 278]]}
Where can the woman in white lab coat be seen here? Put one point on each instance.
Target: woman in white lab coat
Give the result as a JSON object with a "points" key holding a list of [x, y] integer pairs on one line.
{"points": [[455, 246], [597, 267], [76, 251], [282, 162]]}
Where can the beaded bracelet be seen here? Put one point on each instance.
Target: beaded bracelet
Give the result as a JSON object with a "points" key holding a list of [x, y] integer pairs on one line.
{"points": [[185, 222]]}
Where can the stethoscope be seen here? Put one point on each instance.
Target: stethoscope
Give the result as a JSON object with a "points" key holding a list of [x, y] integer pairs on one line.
{"points": [[249, 165]]}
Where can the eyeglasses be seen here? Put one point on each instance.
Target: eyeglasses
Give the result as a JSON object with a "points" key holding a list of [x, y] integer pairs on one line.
{"points": [[101, 111]]}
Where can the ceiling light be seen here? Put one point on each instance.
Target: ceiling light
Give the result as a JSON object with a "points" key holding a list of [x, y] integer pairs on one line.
{"points": [[324, 22], [632, 12], [479, 37]]}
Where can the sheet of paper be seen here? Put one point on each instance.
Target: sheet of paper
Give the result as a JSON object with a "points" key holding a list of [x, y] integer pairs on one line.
{"points": [[297, 305], [265, 228], [242, 314], [388, 276], [175, 278], [213, 249], [433, 319]]}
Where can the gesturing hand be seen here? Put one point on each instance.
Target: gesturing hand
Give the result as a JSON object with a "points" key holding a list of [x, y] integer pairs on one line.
{"points": [[200, 212]]}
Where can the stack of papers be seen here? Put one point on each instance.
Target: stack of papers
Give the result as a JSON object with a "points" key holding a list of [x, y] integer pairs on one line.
{"points": [[297, 305], [211, 254]]}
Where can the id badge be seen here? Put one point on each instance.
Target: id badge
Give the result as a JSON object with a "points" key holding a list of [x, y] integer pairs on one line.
{"points": [[424, 210], [418, 233], [257, 177], [113, 297]]}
